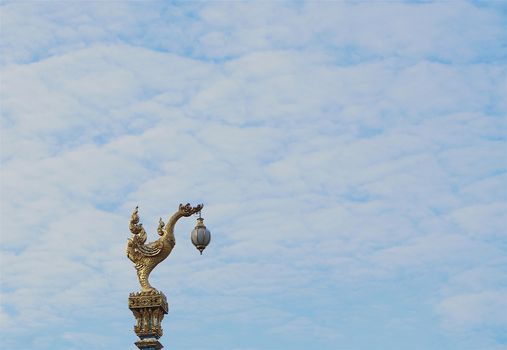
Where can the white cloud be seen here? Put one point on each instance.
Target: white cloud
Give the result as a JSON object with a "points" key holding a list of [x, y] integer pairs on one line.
{"points": [[486, 308]]}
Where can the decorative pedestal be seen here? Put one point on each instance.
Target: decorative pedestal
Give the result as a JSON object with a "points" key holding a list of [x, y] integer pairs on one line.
{"points": [[149, 309]]}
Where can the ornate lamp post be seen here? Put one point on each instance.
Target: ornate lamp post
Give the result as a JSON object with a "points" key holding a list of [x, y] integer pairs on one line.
{"points": [[149, 305]]}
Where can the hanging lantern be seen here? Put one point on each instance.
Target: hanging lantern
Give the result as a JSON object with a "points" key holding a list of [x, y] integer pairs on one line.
{"points": [[200, 236]]}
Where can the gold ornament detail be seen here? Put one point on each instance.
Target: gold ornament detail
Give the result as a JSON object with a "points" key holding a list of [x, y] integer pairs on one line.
{"points": [[149, 309], [146, 256]]}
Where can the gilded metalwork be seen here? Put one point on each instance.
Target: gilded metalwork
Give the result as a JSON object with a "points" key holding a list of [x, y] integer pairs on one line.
{"points": [[147, 256], [149, 309]]}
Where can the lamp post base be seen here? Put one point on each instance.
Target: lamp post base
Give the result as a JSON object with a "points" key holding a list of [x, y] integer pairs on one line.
{"points": [[149, 344], [149, 309]]}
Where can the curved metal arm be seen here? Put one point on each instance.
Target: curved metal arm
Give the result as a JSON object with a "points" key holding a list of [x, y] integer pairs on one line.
{"points": [[183, 211]]}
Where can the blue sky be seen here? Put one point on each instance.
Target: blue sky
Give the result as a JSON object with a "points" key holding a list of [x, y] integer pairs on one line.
{"points": [[351, 157]]}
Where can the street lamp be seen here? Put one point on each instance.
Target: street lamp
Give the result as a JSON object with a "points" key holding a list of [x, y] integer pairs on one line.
{"points": [[150, 305]]}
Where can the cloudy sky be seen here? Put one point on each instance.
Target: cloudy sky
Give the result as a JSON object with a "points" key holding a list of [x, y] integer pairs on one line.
{"points": [[351, 157]]}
